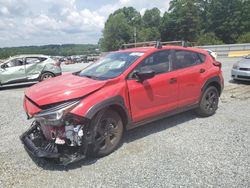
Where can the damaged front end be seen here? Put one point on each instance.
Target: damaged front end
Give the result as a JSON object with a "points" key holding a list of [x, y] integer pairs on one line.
{"points": [[56, 133]]}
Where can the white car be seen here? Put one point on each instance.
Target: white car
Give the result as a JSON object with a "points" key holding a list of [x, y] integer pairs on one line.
{"points": [[241, 69], [27, 68]]}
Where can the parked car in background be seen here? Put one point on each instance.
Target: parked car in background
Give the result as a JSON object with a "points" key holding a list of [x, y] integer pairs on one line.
{"points": [[86, 113], [241, 69], [26, 68], [212, 53]]}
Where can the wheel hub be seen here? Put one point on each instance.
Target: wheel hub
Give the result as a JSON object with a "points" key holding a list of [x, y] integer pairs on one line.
{"points": [[108, 130]]}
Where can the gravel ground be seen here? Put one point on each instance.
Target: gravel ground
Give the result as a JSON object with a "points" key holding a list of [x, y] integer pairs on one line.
{"points": [[180, 151]]}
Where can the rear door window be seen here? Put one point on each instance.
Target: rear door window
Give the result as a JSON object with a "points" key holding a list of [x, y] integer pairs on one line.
{"points": [[183, 58]]}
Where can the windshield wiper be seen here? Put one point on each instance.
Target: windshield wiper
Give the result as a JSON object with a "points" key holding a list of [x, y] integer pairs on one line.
{"points": [[91, 76]]}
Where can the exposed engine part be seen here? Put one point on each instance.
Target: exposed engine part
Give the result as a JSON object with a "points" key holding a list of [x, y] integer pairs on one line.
{"points": [[59, 141], [57, 145], [74, 134]]}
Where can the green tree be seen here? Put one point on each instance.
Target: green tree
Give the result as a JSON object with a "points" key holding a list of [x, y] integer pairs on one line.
{"points": [[245, 38], [149, 34], [119, 28], [117, 31], [245, 16], [65, 49], [152, 18], [182, 22], [225, 19], [167, 28], [208, 39], [132, 15]]}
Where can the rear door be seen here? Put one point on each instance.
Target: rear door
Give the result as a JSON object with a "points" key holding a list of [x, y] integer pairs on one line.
{"points": [[13, 72], [190, 68], [157, 95], [34, 67]]}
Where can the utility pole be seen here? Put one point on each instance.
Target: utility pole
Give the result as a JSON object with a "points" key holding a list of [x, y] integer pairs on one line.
{"points": [[135, 35]]}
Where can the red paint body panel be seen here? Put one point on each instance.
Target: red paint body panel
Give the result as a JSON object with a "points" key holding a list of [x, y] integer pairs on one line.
{"points": [[142, 100], [152, 97], [30, 108], [62, 88], [115, 87]]}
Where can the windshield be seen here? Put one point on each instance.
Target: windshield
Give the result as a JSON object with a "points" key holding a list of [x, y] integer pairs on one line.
{"points": [[248, 56], [110, 66]]}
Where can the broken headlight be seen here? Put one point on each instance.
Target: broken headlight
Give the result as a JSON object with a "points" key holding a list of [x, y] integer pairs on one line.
{"points": [[55, 115]]}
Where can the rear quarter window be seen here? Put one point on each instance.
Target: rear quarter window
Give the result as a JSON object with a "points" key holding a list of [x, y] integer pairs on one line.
{"points": [[202, 57]]}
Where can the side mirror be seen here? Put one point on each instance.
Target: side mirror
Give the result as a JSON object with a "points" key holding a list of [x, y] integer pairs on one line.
{"points": [[144, 75]]}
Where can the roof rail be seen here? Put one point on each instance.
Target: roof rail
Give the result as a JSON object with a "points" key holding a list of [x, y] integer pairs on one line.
{"points": [[157, 44]]}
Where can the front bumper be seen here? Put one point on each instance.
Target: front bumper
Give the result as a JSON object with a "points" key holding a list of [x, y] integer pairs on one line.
{"points": [[240, 75], [47, 150], [36, 145]]}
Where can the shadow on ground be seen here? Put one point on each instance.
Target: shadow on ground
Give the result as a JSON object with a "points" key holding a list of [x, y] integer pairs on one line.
{"points": [[129, 136], [239, 82], [16, 86]]}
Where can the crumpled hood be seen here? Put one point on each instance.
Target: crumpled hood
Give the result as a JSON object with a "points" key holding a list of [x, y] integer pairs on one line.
{"points": [[62, 88]]}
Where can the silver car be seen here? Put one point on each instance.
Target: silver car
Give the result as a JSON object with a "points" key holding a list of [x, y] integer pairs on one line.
{"points": [[27, 68], [241, 69]]}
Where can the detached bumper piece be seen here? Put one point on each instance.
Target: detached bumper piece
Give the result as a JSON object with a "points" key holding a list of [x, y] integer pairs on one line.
{"points": [[35, 143]]}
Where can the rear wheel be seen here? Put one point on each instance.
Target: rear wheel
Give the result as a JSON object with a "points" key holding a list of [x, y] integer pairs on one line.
{"points": [[209, 102], [107, 133], [46, 76]]}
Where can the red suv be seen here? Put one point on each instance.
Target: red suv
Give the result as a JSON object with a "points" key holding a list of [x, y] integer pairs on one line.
{"points": [[86, 113]]}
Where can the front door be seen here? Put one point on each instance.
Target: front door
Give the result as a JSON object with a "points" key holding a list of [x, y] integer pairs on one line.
{"points": [[157, 95], [13, 71]]}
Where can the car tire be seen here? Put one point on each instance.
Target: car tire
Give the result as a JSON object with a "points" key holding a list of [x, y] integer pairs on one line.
{"points": [[46, 76], [209, 102], [107, 129]]}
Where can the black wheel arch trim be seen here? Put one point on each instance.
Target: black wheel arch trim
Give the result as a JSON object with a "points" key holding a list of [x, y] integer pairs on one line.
{"points": [[215, 79], [116, 100]]}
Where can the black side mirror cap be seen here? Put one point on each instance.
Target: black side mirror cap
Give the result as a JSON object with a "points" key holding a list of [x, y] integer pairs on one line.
{"points": [[144, 75]]}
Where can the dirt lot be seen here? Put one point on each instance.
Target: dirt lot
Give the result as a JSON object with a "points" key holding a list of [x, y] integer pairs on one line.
{"points": [[180, 151]]}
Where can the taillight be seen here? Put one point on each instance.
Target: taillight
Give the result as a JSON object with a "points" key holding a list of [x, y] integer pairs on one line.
{"points": [[217, 64]]}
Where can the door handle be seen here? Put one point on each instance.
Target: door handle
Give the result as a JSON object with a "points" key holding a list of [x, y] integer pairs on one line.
{"points": [[202, 70], [172, 80], [21, 69]]}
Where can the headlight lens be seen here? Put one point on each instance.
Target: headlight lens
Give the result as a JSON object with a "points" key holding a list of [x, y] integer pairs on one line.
{"points": [[235, 66], [54, 116]]}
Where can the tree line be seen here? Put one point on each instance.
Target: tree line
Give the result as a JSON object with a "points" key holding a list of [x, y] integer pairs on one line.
{"points": [[53, 50], [201, 21]]}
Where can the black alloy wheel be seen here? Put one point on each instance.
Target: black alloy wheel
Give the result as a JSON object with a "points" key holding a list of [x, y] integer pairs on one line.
{"points": [[209, 102], [108, 131]]}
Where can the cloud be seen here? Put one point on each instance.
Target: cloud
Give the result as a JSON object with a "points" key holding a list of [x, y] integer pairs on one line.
{"points": [[13, 8], [27, 22]]}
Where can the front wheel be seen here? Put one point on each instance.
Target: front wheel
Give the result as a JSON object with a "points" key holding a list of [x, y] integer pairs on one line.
{"points": [[209, 102], [107, 133]]}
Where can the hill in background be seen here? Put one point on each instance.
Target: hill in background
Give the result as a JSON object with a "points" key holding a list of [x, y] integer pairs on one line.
{"points": [[54, 50]]}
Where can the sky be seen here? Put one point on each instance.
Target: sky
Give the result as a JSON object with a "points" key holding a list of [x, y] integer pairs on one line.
{"points": [[41, 22]]}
